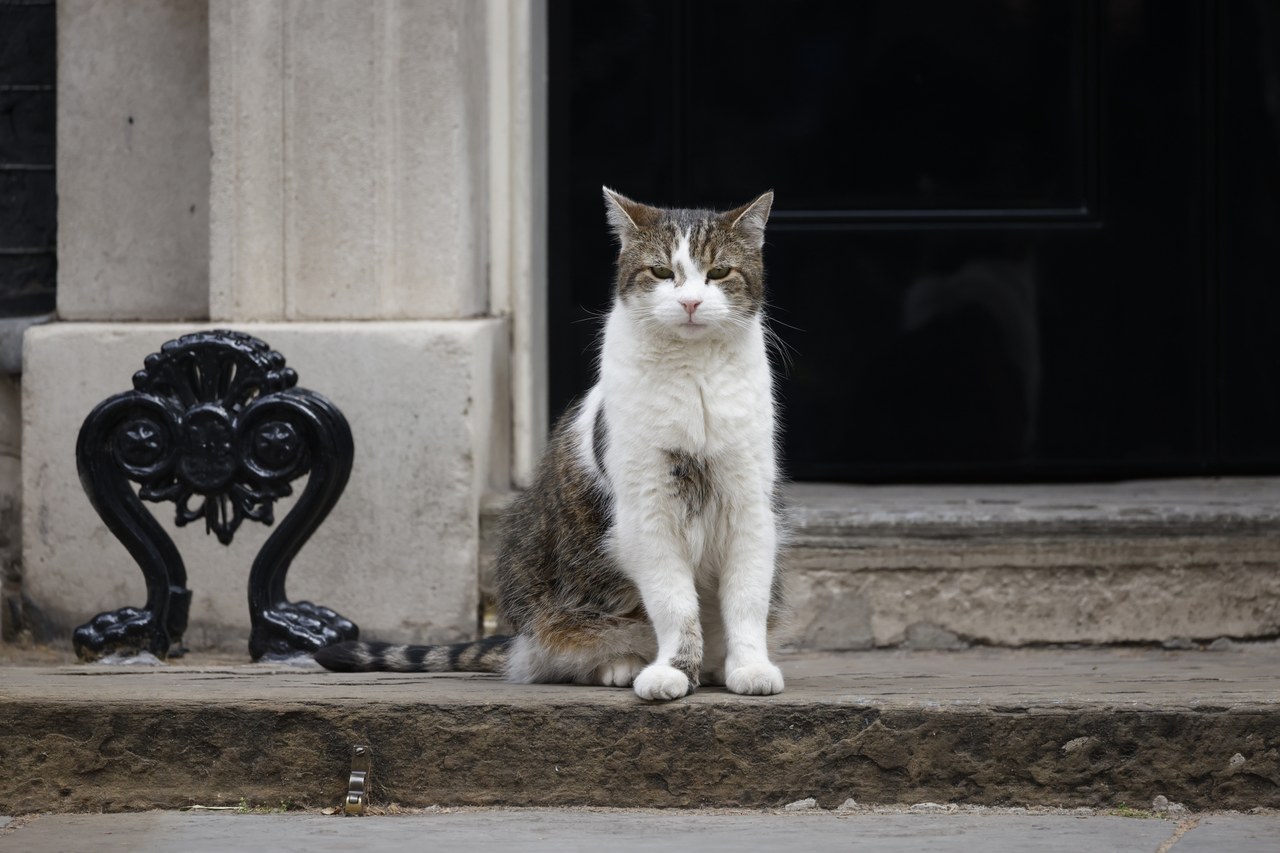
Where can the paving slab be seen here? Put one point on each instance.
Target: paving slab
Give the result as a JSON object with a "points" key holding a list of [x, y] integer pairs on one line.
{"points": [[1232, 834], [1086, 727], [562, 831]]}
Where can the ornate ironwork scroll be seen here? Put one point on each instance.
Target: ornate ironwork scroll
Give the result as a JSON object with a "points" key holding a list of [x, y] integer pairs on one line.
{"points": [[216, 425]]}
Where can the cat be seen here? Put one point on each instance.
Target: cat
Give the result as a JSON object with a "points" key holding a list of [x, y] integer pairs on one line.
{"points": [[645, 552]]}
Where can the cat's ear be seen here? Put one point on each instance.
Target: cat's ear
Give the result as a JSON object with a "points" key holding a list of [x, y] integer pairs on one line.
{"points": [[626, 217], [749, 219]]}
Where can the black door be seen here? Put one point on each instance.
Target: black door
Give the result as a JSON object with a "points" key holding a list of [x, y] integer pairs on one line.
{"points": [[1011, 239]]}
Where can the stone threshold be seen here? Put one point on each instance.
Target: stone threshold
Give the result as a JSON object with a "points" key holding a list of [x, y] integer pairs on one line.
{"points": [[825, 511], [1095, 727], [1156, 561]]}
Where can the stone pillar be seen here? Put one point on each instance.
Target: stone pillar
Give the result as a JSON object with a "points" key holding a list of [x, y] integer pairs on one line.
{"points": [[350, 207], [133, 160], [349, 160], [518, 214]]}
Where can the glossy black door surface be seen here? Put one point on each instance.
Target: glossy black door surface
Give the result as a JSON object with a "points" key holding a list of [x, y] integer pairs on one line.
{"points": [[1248, 228], [999, 247]]}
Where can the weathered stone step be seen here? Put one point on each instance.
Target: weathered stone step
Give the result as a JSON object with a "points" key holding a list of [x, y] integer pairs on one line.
{"points": [[1088, 727], [1163, 561], [944, 567]]}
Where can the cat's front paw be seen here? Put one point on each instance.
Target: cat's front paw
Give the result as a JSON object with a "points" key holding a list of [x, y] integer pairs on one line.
{"points": [[755, 679], [662, 683]]}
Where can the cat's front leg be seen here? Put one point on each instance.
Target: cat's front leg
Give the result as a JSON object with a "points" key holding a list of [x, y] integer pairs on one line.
{"points": [[651, 558], [746, 591]]}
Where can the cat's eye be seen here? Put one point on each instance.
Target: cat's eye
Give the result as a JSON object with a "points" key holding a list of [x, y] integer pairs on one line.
{"points": [[717, 273], [662, 272]]}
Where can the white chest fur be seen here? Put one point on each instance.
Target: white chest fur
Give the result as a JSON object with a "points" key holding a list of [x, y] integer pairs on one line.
{"points": [[709, 398]]}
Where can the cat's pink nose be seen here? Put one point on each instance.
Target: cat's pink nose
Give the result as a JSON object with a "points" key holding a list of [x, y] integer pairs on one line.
{"points": [[691, 305]]}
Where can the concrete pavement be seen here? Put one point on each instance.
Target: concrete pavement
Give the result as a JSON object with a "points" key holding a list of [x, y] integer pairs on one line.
{"points": [[568, 830]]}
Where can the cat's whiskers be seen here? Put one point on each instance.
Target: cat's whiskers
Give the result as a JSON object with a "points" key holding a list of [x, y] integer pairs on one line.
{"points": [[786, 352]]}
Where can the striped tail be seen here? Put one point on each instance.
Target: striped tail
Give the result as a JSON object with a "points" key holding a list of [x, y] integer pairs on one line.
{"points": [[487, 655]]}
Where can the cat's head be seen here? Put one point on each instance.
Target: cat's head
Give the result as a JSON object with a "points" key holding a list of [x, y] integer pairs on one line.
{"points": [[690, 273]]}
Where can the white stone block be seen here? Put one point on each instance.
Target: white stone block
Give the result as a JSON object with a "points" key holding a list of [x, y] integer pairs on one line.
{"points": [[133, 160], [427, 404], [349, 160]]}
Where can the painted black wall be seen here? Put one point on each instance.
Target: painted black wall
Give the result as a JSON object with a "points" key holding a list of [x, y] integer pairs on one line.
{"points": [[28, 194]]}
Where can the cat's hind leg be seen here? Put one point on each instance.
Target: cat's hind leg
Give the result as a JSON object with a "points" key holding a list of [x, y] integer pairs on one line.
{"points": [[619, 672], [624, 648], [582, 648], [608, 656]]}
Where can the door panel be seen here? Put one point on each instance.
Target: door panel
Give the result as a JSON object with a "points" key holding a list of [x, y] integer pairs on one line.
{"points": [[887, 106], [993, 248], [1249, 227]]}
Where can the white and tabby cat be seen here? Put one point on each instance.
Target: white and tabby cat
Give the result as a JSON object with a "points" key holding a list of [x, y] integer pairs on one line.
{"points": [[645, 552]]}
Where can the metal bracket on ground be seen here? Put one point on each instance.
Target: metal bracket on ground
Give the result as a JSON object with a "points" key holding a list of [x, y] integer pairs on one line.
{"points": [[217, 425], [358, 784]]}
